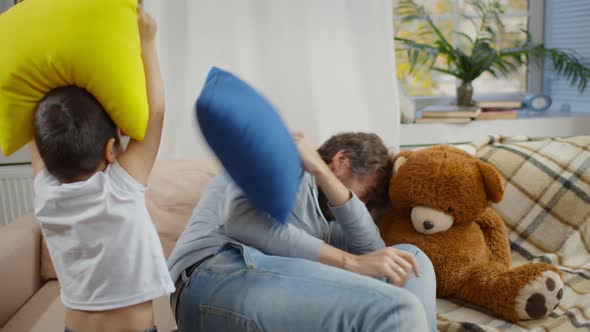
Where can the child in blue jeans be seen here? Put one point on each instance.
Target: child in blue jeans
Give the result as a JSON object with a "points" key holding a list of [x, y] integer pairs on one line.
{"points": [[90, 201]]}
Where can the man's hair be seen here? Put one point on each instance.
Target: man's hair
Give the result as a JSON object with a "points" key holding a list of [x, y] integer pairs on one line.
{"points": [[366, 154], [71, 132]]}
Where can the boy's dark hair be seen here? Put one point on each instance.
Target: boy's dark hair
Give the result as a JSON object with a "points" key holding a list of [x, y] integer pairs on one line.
{"points": [[71, 132], [366, 154]]}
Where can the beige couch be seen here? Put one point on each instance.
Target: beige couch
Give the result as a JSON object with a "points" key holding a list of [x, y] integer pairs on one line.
{"points": [[546, 209], [29, 291]]}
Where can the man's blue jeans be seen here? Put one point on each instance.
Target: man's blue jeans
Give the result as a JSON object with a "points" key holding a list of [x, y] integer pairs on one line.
{"points": [[242, 289]]}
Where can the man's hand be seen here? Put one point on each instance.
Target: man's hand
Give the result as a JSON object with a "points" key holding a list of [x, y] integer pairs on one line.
{"points": [[392, 263], [312, 162], [334, 190]]}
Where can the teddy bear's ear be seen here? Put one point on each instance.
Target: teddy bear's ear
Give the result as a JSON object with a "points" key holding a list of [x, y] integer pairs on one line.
{"points": [[398, 163], [400, 159], [492, 181]]}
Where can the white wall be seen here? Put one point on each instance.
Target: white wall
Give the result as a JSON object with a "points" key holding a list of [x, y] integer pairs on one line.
{"points": [[327, 65], [19, 157], [4, 4]]}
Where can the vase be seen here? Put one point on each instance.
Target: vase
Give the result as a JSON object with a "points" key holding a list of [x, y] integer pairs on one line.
{"points": [[465, 94]]}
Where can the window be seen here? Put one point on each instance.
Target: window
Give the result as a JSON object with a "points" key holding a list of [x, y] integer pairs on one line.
{"points": [[448, 15], [566, 27]]}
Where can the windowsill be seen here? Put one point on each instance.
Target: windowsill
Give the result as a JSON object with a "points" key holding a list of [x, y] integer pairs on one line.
{"points": [[483, 96], [535, 124], [422, 101], [551, 114]]}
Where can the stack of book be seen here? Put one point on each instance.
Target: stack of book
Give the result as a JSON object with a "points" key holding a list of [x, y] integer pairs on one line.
{"points": [[484, 110], [448, 114], [497, 110]]}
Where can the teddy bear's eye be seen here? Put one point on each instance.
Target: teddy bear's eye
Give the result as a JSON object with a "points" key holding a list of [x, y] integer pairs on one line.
{"points": [[450, 209]]}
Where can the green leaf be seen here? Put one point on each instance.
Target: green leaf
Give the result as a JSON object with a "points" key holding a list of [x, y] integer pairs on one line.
{"points": [[446, 71], [462, 34]]}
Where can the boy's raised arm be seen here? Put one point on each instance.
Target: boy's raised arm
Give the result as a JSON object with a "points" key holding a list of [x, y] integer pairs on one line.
{"points": [[139, 157], [36, 159]]}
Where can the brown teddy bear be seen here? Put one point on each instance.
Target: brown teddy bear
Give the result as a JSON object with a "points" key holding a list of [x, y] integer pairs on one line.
{"points": [[440, 198]]}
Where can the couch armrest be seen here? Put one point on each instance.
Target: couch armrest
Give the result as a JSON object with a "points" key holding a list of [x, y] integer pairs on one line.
{"points": [[19, 262]]}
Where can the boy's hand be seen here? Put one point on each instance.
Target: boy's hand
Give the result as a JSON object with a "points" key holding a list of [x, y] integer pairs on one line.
{"points": [[147, 28], [36, 160], [139, 157]]}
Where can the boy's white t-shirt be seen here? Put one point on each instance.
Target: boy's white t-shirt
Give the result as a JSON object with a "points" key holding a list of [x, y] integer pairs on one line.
{"points": [[101, 239]]}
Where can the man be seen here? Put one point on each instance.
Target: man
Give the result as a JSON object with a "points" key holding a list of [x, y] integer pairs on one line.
{"points": [[237, 270]]}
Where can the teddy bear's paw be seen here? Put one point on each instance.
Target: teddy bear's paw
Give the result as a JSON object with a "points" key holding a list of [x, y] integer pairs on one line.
{"points": [[540, 296]]}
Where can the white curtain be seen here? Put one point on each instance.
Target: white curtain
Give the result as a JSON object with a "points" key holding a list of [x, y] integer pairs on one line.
{"points": [[327, 65]]}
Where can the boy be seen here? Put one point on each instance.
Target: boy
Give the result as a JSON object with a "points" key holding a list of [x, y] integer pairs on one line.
{"points": [[90, 201]]}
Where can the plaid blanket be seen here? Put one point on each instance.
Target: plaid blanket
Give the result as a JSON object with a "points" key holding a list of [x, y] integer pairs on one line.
{"points": [[546, 208]]}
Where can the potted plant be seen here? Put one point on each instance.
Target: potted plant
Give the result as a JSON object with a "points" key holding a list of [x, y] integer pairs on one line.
{"points": [[480, 53]]}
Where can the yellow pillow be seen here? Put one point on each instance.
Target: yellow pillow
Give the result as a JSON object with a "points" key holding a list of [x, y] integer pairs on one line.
{"points": [[93, 44]]}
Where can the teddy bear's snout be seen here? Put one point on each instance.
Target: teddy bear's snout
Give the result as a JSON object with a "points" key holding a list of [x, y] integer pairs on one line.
{"points": [[427, 220]]}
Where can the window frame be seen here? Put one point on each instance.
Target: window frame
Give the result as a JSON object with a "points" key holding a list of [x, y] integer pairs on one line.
{"points": [[536, 26], [534, 72]]}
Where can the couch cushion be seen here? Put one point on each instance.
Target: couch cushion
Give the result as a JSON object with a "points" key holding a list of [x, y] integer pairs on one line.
{"points": [[163, 315], [42, 312], [19, 248], [174, 188], [47, 270], [546, 204], [45, 312], [546, 208]]}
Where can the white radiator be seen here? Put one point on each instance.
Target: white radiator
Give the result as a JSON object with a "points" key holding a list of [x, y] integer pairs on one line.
{"points": [[16, 192]]}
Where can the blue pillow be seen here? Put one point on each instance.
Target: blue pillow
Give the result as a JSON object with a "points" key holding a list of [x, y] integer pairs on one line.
{"points": [[251, 141]]}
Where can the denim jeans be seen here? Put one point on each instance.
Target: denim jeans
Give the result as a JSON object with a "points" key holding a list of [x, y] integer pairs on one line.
{"points": [[242, 289]]}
